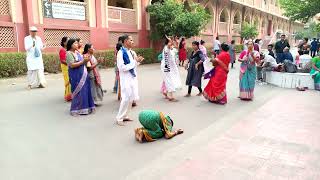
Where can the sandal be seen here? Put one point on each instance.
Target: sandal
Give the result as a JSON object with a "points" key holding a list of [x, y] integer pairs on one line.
{"points": [[187, 95]]}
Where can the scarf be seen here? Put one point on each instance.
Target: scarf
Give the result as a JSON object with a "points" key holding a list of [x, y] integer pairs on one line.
{"points": [[126, 60], [96, 73]]}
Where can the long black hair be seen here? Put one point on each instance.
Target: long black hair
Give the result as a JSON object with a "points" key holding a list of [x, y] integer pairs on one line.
{"points": [[86, 48], [225, 47], [69, 44], [180, 44], [196, 43], [63, 40]]}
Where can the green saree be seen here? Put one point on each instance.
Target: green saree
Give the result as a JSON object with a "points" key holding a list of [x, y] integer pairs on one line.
{"points": [[155, 125], [316, 74]]}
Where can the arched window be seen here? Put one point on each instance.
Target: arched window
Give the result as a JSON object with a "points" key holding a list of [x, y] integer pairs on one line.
{"points": [[224, 16], [256, 22], [237, 18], [247, 19], [263, 26]]}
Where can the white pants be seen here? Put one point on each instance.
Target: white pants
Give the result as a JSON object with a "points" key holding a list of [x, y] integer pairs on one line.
{"points": [[36, 78], [125, 107]]}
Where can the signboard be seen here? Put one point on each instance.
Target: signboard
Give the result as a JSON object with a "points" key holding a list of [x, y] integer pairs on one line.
{"points": [[64, 11]]}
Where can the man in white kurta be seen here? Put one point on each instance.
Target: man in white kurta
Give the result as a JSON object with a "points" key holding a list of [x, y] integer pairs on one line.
{"points": [[34, 46], [128, 81]]}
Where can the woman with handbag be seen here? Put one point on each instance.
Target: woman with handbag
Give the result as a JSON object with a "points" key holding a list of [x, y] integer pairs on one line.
{"points": [[248, 72]]}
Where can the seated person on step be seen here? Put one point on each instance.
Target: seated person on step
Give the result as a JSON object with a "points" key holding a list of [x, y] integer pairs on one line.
{"points": [[268, 63]]}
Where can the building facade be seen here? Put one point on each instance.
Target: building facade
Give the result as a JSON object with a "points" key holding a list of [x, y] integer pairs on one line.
{"points": [[101, 21]]}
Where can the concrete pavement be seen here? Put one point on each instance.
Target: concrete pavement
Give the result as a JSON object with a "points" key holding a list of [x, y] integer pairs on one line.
{"points": [[40, 140]]}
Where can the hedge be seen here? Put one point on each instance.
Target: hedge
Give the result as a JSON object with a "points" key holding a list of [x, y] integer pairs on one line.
{"points": [[14, 64]]}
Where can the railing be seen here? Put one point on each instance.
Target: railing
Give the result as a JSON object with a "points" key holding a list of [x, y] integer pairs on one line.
{"points": [[71, 3], [122, 15]]}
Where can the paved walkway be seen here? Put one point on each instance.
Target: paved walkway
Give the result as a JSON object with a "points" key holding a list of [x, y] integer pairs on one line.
{"points": [[39, 140], [278, 141]]}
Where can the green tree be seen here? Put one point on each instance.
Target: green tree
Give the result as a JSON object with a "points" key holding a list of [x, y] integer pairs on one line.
{"points": [[248, 31], [174, 18], [302, 10], [310, 32]]}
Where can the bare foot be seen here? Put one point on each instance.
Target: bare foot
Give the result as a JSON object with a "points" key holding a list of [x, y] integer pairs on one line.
{"points": [[187, 95], [200, 94], [165, 95], [173, 100], [179, 131]]}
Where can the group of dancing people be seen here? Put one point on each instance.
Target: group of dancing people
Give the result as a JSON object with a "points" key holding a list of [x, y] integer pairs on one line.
{"points": [[198, 69]]}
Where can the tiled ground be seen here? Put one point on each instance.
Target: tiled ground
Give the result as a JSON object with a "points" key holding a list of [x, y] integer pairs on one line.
{"points": [[281, 140]]}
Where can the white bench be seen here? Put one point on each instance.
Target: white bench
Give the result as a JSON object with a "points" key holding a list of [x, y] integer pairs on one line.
{"points": [[289, 80]]}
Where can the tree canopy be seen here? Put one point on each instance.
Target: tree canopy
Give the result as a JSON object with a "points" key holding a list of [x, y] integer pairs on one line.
{"points": [[248, 31], [174, 18], [301, 10]]}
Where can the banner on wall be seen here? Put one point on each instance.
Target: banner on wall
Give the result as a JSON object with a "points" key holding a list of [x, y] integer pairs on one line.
{"points": [[64, 11]]}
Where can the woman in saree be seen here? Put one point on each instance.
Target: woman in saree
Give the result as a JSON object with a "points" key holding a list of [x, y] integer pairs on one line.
{"points": [[248, 72], [156, 125], [315, 72], [82, 101], [182, 51], [95, 78], [80, 45], [64, 68], [215, 91], [170, 72], [195, 69]]}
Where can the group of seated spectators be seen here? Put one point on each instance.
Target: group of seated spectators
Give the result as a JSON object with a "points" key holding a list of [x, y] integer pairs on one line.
{"points": [[302, 63]]}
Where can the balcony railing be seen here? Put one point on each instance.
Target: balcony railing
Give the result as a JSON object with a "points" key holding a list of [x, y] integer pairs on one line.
{"points": [[122, 15]]}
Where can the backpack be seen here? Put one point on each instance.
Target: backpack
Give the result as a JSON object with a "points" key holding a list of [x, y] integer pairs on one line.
{"points": [[290, 67]]}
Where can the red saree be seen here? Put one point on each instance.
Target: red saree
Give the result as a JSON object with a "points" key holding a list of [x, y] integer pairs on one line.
{"points": [[215, 91]]}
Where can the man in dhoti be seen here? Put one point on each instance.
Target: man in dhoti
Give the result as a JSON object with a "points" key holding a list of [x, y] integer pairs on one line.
{"points": [[34, 46], [127, 63]]}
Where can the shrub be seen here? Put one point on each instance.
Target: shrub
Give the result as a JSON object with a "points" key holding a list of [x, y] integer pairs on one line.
{"points": [[238, 48], [14, 64]]}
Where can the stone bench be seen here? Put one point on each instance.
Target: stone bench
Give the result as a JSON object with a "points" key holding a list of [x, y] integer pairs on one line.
{"points": [[289, 80]]}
